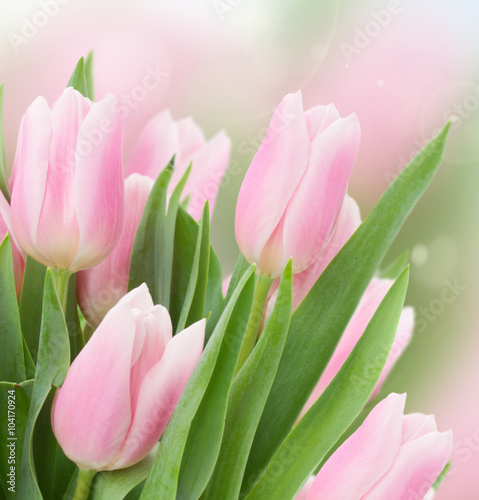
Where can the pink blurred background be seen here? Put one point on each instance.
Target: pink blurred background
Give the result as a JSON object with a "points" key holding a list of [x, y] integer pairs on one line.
{"points": [[405, 67]]}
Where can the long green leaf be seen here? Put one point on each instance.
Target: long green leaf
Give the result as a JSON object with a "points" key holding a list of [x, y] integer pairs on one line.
{"points": [[78, 78], [206, 431], [319, 321], [337, 407], [148, 260], [14, 401], [31, 300], [163, 478], [248, 396], [89, 76], [214, 303], [52, 366], [193, 304], [53, 469], [12, 361], [3, 174]]}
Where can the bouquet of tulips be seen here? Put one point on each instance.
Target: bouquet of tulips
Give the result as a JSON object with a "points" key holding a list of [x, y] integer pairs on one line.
{"points": [[130, 368]]}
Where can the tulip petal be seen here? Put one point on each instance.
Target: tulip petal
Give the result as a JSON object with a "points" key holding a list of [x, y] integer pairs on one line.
{"points": [[155, 147], [417, 466], [99, 184], [57, 227], [208, 168], [320, 118], [139, 298], [315, 205], [30, 179], [190, 139], [92, 411], [272, 177], [160, 392], [416, 425], [348, 221], [365, 456]]}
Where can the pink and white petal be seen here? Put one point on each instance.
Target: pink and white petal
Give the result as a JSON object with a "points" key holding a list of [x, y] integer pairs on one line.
{"points": [[348, 221], [416, 425], [401, 341], [415, 469], [190, 138], [149, 347], [160, 392], [320, 118], [58, 234], [272, 177], [139, 298], [99, 184], [92, 411], [314, 207], [31, 170], [155, 147], [208, 168], [364, 457]]}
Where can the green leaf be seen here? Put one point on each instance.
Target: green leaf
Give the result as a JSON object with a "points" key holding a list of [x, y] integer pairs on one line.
{"points": [[395, 268], [248, 396], [53, 469], [31, 300], [240, 268], [78, 78], [193, 304], [17, 403], [52, 366], [441, 477], [185, 271], [318, 323], [337, 407], [152, 254], [162, 481], [214, 303], [116, 485], [206, 431], [90, 85], [72, 320], [3, 174], [12, 361]]}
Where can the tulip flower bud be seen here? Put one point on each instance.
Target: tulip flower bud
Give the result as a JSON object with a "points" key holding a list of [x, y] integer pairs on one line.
{"points": [[162, 138], [67, 197], [122, 388], [6, 227], [293, 191], [370, 301], [101, 287], [391, 456]]}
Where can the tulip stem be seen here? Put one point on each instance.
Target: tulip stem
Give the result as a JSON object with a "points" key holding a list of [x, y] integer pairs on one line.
{"points": [[82, 488], [262, 286], [62, 278]]}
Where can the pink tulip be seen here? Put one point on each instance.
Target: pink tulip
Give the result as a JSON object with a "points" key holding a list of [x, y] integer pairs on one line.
{"points": [[101, 287], [370, 301], [391, 456], [162, 138], [122, 388], [67, 179], [6, 227], [293, 191]]}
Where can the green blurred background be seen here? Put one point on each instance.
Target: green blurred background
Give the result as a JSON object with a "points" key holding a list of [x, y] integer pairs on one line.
{"points": [[404, 66]]}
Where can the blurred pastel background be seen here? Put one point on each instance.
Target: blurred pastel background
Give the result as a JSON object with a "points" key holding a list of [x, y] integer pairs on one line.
{"points": [[404, 66]]}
